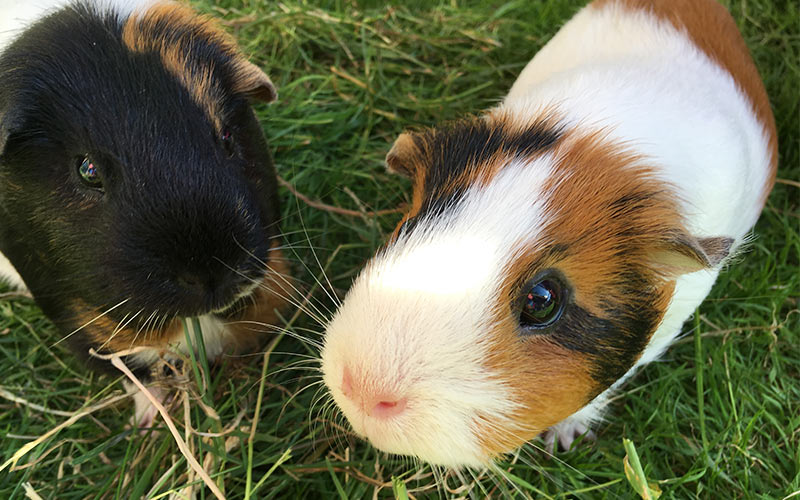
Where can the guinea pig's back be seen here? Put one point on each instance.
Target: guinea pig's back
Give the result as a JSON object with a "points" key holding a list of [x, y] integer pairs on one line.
{"points": [[691, 103]]}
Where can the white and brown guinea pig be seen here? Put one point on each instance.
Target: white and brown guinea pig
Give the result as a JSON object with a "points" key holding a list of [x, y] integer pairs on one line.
{"points": [[559, 241], [136, 187]]}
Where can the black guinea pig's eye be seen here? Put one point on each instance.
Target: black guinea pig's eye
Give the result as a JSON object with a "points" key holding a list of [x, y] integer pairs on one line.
{"points": [[226, 138], [542, 302], [88, 173]]}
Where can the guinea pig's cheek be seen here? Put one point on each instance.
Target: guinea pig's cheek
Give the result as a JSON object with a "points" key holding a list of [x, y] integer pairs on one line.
{"points": [[547, 381], [410, 398]]}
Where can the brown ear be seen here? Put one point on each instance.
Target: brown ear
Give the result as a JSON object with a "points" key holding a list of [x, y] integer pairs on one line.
{"points": [[403, 156], [252, 82], [687, 254]]}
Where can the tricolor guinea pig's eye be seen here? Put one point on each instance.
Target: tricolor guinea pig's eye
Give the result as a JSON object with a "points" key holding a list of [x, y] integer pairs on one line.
{"points": [[88, 173], [542, 302]]}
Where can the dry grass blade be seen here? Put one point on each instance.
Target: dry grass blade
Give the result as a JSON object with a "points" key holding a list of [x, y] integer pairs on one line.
{"points": [[74, 418], [182, 446], [330, 208]]}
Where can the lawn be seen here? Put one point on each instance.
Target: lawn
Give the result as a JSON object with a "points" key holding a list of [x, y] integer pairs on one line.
{"points": [[717, 417]]}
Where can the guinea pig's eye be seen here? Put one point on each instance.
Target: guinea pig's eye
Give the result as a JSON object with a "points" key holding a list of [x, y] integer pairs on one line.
{"points": [[88, 172], [542, 302], [226, 138]]}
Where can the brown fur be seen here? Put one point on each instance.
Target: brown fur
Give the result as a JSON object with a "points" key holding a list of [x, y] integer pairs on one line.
{"points": [[406, 159], [712, 29], [105, 333], [271, 297], [547, 380], [590, 178]]}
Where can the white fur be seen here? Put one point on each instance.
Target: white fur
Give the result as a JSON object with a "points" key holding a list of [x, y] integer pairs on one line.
{"points": [[215, 338], [9, 274], [416, 318]]}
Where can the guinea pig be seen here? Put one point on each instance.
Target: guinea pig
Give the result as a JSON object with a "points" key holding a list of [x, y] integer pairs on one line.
{"points": [[560, 240], [136, 187]]}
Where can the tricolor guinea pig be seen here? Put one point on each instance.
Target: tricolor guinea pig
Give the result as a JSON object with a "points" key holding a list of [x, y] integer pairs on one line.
{"points": [[136, 188], [559, 241]]}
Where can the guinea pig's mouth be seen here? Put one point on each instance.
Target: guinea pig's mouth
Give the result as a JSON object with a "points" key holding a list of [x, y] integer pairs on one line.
{"points": [[433, 427]]}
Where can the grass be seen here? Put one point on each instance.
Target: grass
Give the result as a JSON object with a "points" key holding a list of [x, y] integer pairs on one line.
{"points": [[717, 417]]}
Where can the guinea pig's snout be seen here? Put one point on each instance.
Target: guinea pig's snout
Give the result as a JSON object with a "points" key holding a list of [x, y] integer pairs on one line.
{"points": [[201, 284], [378, 404]]}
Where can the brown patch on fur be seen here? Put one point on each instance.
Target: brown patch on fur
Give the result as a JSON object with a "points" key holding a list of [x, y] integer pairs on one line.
{"points": [[106, 334], [145, 33], [273, 295], [712, 29], [602, 183], [594, 183], [168, 29], [548, 381]]}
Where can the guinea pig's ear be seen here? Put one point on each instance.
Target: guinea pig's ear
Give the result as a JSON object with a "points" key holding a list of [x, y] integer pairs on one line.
{"points": [[254, 83], [687, 254], [403, 156]]}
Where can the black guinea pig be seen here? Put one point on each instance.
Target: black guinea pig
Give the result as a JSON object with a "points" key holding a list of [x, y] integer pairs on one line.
{"points": [[136, 187]]}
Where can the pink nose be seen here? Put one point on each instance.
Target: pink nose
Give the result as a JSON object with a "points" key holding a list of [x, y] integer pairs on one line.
{"points": [[380, 405], [387, 406]]}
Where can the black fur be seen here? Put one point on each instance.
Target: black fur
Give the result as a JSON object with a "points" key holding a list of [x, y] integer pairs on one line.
{"points": [[182, 224], [614, 341]]}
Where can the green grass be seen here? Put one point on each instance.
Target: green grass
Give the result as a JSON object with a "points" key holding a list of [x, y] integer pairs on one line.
{"points": [[717, 417]]}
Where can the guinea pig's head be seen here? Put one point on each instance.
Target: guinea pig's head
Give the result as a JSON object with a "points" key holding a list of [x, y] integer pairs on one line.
{"points": [[532, 269], [135, 181]]}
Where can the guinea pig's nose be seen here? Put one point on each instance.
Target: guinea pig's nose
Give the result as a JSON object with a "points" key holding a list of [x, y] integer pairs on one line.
{"points": [[380, 405], [388, 406]]}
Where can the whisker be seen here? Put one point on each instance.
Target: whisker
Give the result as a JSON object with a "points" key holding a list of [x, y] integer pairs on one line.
{"points": [[90, 322], [317, 315], [267, 328], [114, 332]]}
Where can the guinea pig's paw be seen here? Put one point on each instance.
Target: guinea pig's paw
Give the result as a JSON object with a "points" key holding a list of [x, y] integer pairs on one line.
{"points": [[145, 412], [170, 367], [565, 433]]}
